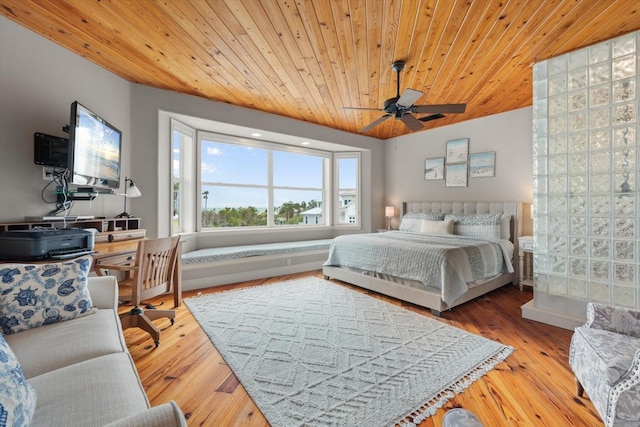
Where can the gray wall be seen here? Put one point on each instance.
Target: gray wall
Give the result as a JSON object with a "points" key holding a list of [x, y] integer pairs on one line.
{"points": [[508, 134], [38, 82]]}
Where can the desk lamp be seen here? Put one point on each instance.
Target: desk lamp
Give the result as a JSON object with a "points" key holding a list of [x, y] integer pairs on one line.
{"points": [[130, 190]]}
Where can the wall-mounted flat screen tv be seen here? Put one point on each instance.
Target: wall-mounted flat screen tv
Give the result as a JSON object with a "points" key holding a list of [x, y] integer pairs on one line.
{"points": [[94, 149]]}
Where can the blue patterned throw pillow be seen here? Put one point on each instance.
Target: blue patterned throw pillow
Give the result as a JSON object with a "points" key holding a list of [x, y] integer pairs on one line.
{"points": [[17, 397], [33, 295]]}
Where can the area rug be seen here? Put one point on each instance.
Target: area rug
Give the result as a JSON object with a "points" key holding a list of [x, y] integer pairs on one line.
{"points": [[313, 353]]}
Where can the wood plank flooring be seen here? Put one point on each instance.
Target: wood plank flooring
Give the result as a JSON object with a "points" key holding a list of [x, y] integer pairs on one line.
{"points": [[533, 387]]}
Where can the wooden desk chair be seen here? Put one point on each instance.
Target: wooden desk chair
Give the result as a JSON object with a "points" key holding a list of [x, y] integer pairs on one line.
{"points": [[154, 273]]}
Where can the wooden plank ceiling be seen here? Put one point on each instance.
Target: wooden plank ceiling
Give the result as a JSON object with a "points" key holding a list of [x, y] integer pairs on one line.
{"points": [[307, 59]]}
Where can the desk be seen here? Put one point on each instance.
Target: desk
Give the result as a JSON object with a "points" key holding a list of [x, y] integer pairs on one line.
{"points": [[119, 258], [116, 248], [125, 261]]}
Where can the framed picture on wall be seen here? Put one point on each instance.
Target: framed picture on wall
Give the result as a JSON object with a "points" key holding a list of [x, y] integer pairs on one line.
{"points": [[457, 150], [456, 175], [434, 168], [482, 164]]}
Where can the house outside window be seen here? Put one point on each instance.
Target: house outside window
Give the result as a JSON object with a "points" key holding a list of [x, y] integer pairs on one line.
{"points": [[312, 215]]}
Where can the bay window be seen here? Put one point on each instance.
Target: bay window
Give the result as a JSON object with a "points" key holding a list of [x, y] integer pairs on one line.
{"points": [[227, 182]]}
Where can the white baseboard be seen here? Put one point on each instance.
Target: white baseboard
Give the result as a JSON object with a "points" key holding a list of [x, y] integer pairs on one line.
{"points": [[531, 312]]}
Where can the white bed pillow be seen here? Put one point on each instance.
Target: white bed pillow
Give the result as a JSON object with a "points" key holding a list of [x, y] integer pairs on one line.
{"points": [[505, 227], [437, 227], [485, 226], [412, 222]]}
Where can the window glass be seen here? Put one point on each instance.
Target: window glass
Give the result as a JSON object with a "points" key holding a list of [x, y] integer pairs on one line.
{"points": [[175, 194], [254, 185], [234, 164], [297, 170], [297, 194], [348, 197], [182, 185], [233, 206]]}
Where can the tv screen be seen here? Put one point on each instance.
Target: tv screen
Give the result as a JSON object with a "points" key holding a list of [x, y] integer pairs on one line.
{"points": [[94, 149]]}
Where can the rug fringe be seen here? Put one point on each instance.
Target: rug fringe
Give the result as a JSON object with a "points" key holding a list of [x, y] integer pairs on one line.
{"points": [[430, 407]]}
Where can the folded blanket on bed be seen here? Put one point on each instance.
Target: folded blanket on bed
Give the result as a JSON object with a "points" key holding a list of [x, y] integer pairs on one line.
{"points": [[446, 262]]}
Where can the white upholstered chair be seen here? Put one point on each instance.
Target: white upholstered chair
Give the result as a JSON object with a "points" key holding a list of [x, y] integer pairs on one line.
{"points": [[605, 358]]}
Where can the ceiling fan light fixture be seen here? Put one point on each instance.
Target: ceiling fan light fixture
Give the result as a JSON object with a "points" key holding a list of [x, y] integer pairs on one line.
{"points": [[432, 117]]}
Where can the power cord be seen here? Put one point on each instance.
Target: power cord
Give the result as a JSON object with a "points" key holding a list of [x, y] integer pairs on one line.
{"points": [[63, 202]]}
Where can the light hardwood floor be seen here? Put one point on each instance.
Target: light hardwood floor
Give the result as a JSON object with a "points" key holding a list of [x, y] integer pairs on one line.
{"points": [[533, 387]]}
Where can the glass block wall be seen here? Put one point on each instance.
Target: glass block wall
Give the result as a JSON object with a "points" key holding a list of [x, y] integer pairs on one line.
{"points": [[585, 167]]}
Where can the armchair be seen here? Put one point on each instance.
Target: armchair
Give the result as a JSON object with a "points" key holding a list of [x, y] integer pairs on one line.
{"points": [[605, 358]]}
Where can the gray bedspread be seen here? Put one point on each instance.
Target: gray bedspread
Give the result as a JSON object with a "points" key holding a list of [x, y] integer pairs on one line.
{"points": [[445, 262]]}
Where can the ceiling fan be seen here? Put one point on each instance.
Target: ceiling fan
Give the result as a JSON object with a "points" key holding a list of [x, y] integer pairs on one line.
{"points": [[401, 107]]}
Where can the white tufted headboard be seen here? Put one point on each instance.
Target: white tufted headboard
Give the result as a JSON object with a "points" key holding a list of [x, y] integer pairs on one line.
{"points": [[508, 208]]}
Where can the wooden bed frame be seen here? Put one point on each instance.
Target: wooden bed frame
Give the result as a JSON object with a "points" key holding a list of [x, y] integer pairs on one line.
{"points": [[431, 299]]}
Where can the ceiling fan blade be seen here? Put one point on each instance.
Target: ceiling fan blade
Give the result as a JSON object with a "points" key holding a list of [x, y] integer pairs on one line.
{"points": [[360, 108], [409, 97], [431, 117], [439, 108], [411, 122], [375, 123]]}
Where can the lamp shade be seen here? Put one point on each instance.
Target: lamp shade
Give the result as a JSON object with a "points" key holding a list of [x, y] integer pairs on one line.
{"points": [[389, 211], [131, 189]]}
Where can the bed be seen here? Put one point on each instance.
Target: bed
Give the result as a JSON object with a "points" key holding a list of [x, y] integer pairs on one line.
{"points": [[388, 266]]}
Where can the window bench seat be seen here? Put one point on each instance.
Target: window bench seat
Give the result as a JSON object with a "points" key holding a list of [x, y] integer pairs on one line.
{"points": [[207, 267]]}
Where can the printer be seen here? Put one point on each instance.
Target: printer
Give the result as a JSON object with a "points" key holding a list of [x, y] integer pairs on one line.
{"points": [[44, 244]]}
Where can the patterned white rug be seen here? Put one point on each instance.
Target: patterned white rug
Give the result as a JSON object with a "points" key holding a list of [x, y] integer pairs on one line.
{"points": [[313, 353]]}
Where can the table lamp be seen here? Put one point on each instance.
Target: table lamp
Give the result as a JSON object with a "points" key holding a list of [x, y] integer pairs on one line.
{"points": [[130, 190], [389, 212]]}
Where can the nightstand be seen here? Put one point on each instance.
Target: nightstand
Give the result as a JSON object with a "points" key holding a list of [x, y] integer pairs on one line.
{"points": [[525, 251]]}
